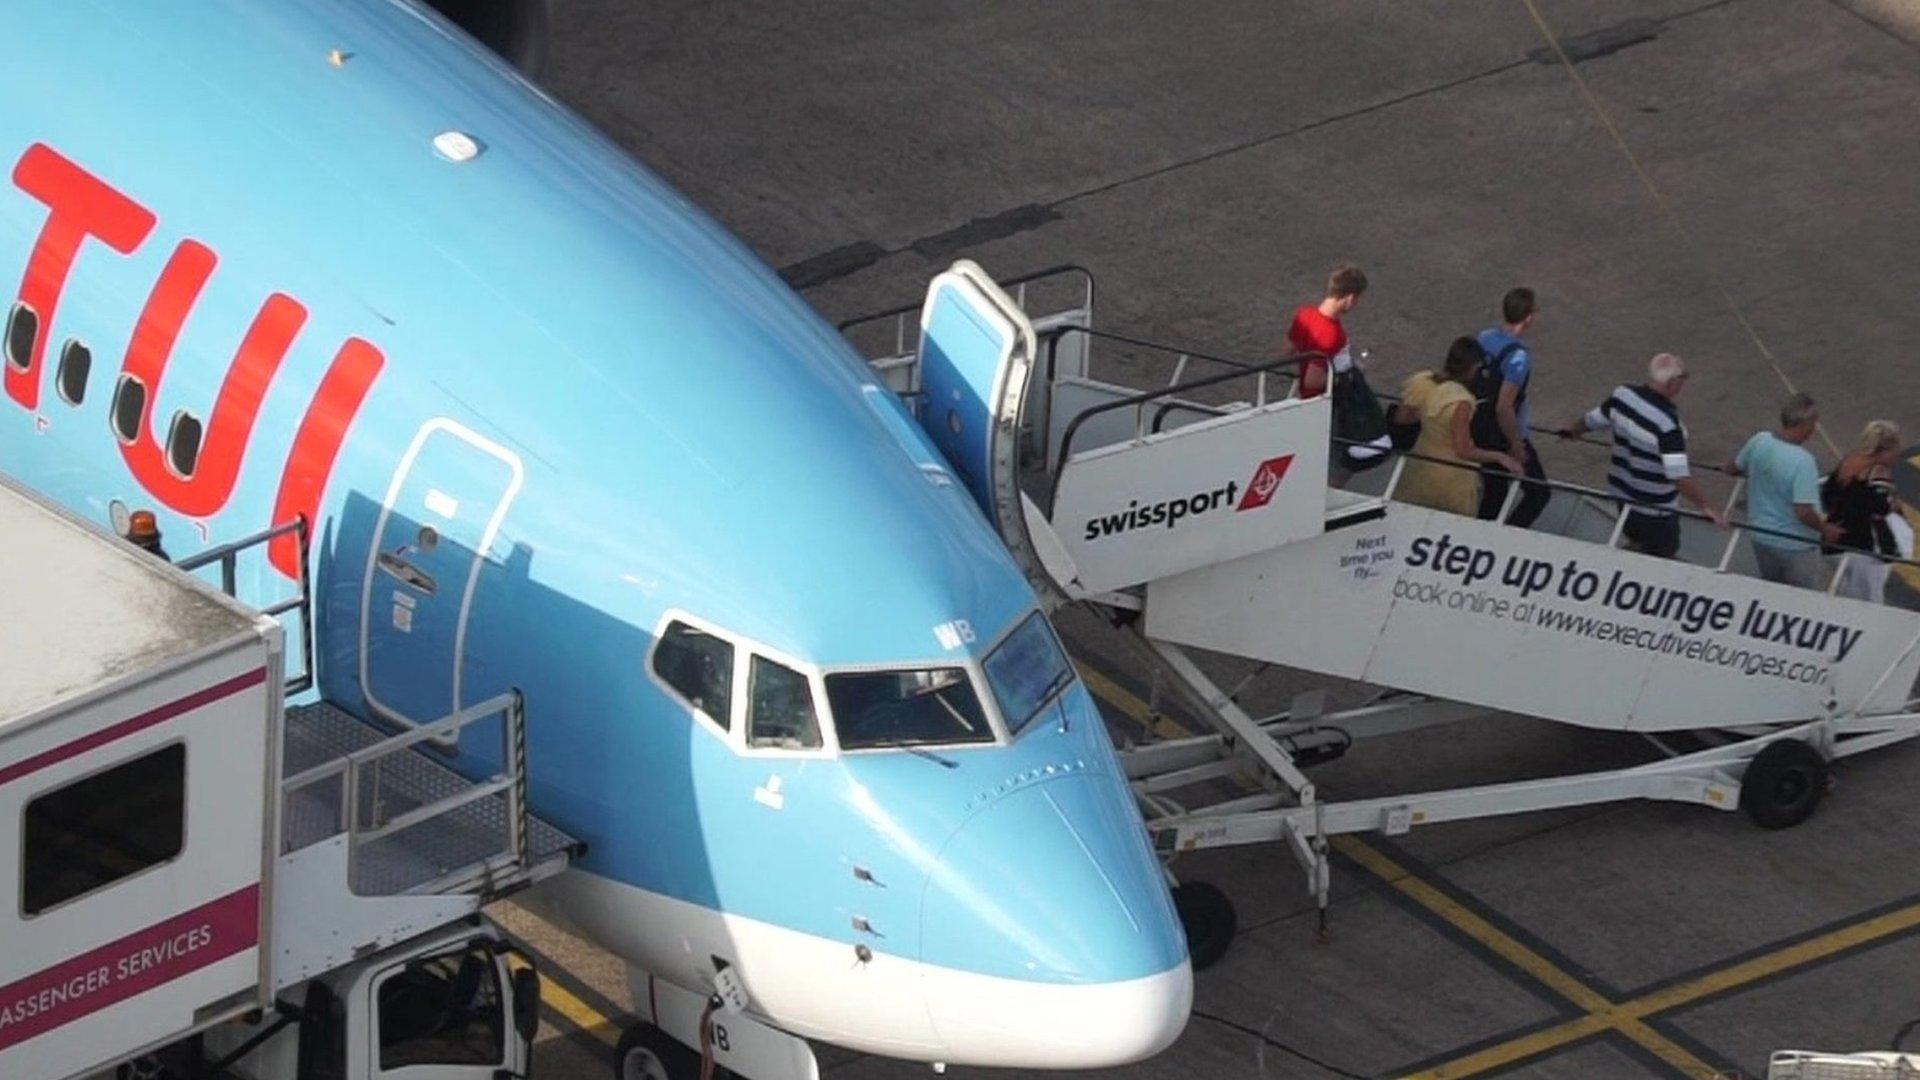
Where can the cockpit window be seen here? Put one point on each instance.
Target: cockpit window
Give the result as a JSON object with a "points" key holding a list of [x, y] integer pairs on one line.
{"points": [[699, 666], [920, 707], [780, 713], [1025, 671]]}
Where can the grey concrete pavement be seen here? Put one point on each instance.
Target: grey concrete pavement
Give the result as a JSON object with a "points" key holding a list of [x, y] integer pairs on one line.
{"points": [[1209, 161]]}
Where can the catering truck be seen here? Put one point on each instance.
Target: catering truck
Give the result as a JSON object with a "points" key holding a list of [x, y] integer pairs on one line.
{"points": [[199, 878]]}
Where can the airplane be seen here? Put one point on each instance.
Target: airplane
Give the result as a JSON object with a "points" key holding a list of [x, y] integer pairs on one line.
{"points": [[553, 429]]}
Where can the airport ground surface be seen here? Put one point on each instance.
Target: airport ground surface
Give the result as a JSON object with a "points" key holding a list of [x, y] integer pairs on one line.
{"points": [[1737, 181]]}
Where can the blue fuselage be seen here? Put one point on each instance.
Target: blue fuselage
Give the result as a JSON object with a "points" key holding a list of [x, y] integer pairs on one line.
{"points": [[587, 411]]}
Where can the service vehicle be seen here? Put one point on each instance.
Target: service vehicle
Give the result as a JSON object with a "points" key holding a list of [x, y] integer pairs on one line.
{"points": [[198, 874]]}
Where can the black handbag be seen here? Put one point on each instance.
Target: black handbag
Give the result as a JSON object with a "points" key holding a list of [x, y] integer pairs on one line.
{"points": [[1360, 432]]}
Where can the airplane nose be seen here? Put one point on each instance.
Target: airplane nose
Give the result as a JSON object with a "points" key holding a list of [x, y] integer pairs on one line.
{"points": [[1048, 939]]}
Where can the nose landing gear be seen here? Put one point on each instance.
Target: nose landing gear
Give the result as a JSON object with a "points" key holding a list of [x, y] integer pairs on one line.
{"points": [[1209, 920]]}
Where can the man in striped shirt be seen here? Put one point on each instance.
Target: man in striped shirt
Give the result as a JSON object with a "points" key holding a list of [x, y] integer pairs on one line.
{"points": [[1649, 464]]}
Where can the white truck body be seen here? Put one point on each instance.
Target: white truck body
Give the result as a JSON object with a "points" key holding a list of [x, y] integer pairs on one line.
{"points": [[139, 733], [194, 871]]}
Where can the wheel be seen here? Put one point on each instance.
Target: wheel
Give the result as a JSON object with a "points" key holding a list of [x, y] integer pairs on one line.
{"points": [[1209, 920], [647, 1053], [1783, 784]]}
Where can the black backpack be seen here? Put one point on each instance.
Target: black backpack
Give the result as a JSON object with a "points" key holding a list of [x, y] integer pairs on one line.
{"points": [[1359, 422], [1486, 398]]}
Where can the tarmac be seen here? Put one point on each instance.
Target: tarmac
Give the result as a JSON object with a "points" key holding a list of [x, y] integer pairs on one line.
{"points": [[1736, 181]]}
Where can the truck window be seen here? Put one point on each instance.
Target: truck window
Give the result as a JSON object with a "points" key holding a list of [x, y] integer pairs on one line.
{"points": [[443, 1010], [105, 827]]}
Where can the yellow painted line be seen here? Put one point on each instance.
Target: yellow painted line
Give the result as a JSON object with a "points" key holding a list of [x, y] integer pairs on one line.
{"points": [[1688, 244], [1600, 1013], [1132, 705], [582, 1015], [1773, 963], [1471, 924], [1507, 1053], [1627, 1016]]}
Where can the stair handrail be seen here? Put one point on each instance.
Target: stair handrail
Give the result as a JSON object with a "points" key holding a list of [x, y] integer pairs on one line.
{"points": [[1240, 370], [1015, 285], [1622, 503], [353, 768], [227, 555]]}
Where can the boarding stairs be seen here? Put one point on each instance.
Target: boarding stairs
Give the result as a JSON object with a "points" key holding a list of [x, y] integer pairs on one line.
{"points": [[379, 836], [1193, 508]]}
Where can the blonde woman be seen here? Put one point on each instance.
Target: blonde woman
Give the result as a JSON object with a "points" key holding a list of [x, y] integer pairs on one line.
{"points": [[1444, 473], [1859, 499]]}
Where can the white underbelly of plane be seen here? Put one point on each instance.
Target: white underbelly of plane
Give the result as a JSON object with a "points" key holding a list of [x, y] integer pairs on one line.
{"points": [[819, 989]]}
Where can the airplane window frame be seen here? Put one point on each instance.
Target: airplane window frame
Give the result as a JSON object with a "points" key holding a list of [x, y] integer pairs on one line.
{"points": [[1056, 688], [724, 724], [174, 427], [19, 308], [754, 660], [61, 372], [734, 733], [120, 386], [983, 700]]}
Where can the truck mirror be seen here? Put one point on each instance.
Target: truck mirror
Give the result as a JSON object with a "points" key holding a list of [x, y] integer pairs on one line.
{"points": [[526, 1003]]}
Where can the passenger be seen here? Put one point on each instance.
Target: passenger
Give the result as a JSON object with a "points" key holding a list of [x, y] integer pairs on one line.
{"points": [[1649, 455], [1783, 499], [1503, 423], [143, 532], [1317, 329], [1859, 498], [1443, 406]]}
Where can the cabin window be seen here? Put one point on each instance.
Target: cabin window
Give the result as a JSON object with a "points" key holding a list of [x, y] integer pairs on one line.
{"points": [[916, 707], [76, 363], [106, 827], [129, 406], [780, 713], [699, 667], [443, 1010], [1026, 671], [23, 329], [183, 444]]}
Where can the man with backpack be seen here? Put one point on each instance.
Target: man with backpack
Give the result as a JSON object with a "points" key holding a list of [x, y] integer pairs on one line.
{"points": [[1500, 414]]}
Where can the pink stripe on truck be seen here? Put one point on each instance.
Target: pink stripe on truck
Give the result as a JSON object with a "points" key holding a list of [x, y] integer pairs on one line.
{"points": [[127, 727], [126, 968]]}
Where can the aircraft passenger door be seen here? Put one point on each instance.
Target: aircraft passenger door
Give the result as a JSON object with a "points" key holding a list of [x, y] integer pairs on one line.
{"points": [[435, 530], [976, 353]]}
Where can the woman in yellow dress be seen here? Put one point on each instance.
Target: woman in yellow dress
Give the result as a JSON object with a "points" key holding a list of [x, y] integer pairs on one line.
{"points": [[1443, 405]]}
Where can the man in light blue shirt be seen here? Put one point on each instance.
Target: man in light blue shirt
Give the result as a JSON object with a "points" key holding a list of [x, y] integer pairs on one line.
{"points": [[1502, 421], [1783, 498]]}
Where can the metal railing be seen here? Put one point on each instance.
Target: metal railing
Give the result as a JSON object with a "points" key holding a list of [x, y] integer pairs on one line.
{"points": [[228, 556], [907, 314], [1623, 506], [1261, 371], [1258, 372], [362, 811]]}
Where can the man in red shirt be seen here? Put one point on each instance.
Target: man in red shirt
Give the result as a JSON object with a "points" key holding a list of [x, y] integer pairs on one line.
{"points": [[1316, 329]]}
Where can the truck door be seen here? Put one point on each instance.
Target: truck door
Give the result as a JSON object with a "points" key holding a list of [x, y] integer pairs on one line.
{"points": [[444, 1016], [442, 512]]}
